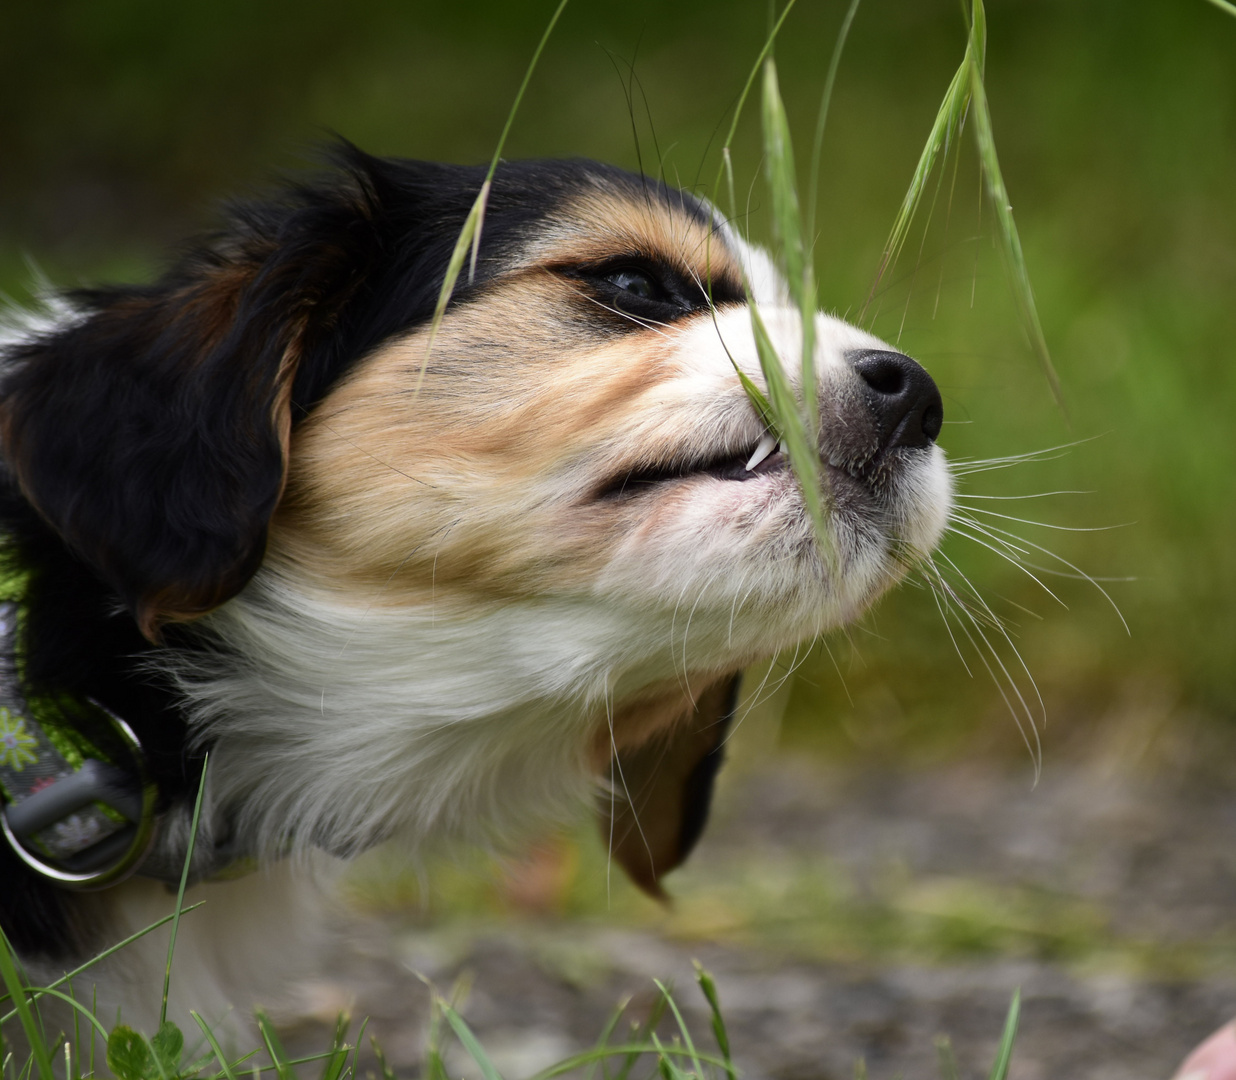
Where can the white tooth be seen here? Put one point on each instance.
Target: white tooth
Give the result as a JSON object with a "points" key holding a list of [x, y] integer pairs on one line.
{"points": [[783, 448], [767, 444]]}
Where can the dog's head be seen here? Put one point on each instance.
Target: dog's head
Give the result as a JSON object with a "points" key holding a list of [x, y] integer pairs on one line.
{"points": [[574, 438]]}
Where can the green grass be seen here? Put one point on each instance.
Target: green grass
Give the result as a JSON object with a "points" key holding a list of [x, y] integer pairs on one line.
{"points": [[644, 1052]]}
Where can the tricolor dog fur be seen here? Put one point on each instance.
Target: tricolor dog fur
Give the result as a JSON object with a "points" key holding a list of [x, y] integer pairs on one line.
{"points": [[434, 595]]}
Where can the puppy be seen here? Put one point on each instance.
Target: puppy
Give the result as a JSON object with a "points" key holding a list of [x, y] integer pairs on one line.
{"points": [[438, 589]]}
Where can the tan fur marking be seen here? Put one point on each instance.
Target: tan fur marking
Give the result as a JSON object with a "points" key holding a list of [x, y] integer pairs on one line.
{"points": [[404, 496], [467, 482]]}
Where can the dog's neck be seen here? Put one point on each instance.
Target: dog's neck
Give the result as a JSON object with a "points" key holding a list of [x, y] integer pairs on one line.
{"points": [[460, 721]]}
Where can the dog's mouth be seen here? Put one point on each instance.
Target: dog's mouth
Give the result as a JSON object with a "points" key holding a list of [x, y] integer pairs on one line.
{"points": [[756, 461], [856, 471]]}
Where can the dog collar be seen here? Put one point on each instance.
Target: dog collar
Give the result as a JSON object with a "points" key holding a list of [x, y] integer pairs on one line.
{"points": [[76, 803]]}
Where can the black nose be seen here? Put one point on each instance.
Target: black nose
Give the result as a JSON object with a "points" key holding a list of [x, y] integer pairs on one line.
{"points": [[902, 395]]}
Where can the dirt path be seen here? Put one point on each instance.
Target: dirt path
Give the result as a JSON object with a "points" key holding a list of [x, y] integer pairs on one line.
{"points": [[1111, 902]]}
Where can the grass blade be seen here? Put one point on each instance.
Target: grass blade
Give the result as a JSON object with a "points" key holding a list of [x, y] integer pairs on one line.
{"points": [[40, 991], [79, 1010], [790, 427], [70, 1073], [813, 180], [667, 1066], [360, 1037], [338, 1051], [789, 233], [966, 92], [274, 1048], [470, 1043], [742, 98], [603, 1039], [17, 990], [214, 1045], [655, 1013], [709, 989], [470, 235], [195, 1067], [944, 129], [631, 1050], [435, 1067], [726, 169], [1225, 5], [387, 1072], [999, 195], [779, 167], [687, 1041], [180, 893], [1000, 1070]]}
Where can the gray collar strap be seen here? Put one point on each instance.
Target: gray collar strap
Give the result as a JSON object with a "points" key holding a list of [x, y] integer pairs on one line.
{"points": [[76, 804]]}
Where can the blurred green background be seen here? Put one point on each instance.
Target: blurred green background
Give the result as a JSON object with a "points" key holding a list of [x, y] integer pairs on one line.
{"points": [[124, 122]]}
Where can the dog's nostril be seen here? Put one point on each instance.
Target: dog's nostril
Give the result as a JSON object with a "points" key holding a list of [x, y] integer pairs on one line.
{"points": [[903, 397], [882, 375]]}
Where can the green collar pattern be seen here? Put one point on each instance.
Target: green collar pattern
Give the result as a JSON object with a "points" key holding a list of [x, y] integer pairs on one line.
{"points": [[75, 802]]}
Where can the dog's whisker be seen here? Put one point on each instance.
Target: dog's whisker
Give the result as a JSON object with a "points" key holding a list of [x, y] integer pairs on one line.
{"points": [[940, 600], [1016, 550], [1005, 684], [966, 497], [1081, 574], [986, 653], [1050, 453], [1049, 525], [1003, 631], [1010, 559]]}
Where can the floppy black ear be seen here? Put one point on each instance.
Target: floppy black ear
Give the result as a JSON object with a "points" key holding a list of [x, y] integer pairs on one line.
{"points": [[150, 428], [664, 790]]}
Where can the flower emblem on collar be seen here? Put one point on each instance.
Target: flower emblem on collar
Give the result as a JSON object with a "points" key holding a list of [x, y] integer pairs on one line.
{"points": [[17, 745]]}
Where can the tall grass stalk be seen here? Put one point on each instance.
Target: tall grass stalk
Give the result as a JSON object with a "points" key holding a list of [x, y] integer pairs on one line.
{"points": [[792, 421], [220, 1056], [69, 976], [470, 235], [709, 989], [17, 991], [817, 146], [180, 892], [796, 414], [469, 1041], [1000, 1070], [967, 92]]}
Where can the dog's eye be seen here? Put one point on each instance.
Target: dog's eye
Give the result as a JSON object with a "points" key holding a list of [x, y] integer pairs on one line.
{"points": [[637, 291], [636, 282]]}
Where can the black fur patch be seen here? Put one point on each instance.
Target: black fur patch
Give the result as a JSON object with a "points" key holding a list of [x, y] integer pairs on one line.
{"points": [[697, 800]]}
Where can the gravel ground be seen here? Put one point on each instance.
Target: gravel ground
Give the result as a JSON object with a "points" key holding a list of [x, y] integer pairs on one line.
{"points": [[1152, 858]]}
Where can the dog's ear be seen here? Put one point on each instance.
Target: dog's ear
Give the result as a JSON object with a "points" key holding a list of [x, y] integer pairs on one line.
{"points": [[150, 427], [663, 790]]}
